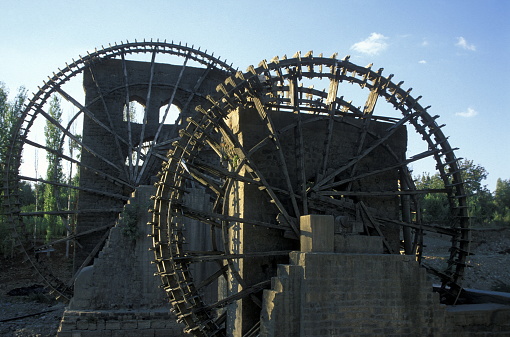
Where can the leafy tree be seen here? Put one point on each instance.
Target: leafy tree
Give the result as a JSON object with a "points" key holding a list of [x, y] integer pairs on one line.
{"points": [[502, 193], [9, 114], [435, 205], [502, 202], [480, 199], [54, 196]]}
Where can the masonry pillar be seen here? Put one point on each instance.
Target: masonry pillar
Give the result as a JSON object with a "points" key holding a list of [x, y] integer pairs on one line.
{"points": [[317, 233], [326, 292]]}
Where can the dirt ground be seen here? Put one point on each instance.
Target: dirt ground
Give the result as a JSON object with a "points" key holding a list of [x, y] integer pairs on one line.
{"points": [[488, 265], [22, 294], [488, 269]]}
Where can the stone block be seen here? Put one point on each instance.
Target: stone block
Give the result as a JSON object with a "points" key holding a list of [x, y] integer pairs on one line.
{"points": [[67, 326], [82, 325], [317, 233], [129, 325], [112, 325], [144, 324], [159, 324], [357, 244], [65, 334], [161, 333]]}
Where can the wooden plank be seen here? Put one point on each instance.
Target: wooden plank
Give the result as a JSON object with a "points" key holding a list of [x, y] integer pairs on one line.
{"points": [[367, 151], [381, 193], [243, 293], [108, 115], [212, 277], [299, 148], [213, 256], [139, 171], [375, 225], [210, 217], [255, 171], [128, 117], [389, 168], [170, 102], [90, 190], [270, 126], [74, 161], [89, 258], [71, 212], [74, 236], [75, 139]]}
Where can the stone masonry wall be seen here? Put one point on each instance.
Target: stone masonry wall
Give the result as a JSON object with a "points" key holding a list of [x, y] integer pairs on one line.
{"points": [[105, 97], [345, 287], [122, 275], [117, 323], [119, 295], [325, 294]]}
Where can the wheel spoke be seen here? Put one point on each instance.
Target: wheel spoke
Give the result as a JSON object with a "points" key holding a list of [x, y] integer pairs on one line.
{"points": [[80, 164], [215, 256], [139, 172], [212, 218], [274, 93], [104, 175], [77, 188], [212, 277], [128, 115], [271, 129], [398, 165], [366, 152], [300, 151], [237, 296], [76, 140], [109, 117]]}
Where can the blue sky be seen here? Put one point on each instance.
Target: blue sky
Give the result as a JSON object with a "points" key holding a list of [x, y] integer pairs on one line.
{"points": [[453, 53]]}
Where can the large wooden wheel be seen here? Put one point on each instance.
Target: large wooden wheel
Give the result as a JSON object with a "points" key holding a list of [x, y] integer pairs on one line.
{"points": [[105, 149], [290, 106]]}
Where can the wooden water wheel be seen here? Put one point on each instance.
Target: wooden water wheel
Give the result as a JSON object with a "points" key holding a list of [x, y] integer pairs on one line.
{"points": [[287, 107], [102, 148]]}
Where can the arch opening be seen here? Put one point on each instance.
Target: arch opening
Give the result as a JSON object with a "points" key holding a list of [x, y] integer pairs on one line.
{"points": [[169, 114], [134, 113]]}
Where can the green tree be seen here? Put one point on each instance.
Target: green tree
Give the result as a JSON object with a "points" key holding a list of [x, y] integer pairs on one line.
{"points": [[9, 115], [435, 205], [480, 200], [502, 202], [54, 195]]}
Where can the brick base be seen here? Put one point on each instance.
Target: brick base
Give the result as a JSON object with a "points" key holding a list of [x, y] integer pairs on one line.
{"points": [[119, 323]]}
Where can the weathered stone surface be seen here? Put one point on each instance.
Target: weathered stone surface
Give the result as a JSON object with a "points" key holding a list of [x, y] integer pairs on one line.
{"points": [[317, 233], [353, 294], [122, 323], [120, 293], [247, 201], [108, 110], [122, 275], [358, 244]]}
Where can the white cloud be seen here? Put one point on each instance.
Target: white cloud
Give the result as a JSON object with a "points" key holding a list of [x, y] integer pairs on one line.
{"points": [[462, 43], [424, 43], [422, 62], [470, 112], [372, 45]]}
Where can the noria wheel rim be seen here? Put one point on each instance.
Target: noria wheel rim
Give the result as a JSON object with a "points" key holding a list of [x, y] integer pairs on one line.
{"points": [[121, 174], [281, 87]]}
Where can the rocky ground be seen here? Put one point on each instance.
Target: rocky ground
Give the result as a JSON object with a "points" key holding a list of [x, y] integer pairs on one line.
{"points": [[27, 311], [488, 266]]}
